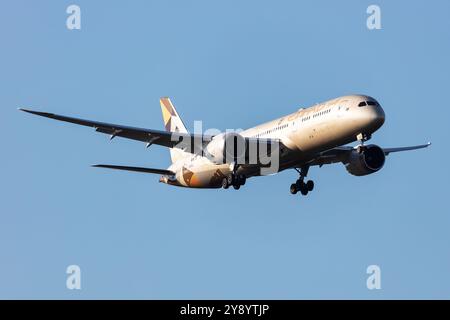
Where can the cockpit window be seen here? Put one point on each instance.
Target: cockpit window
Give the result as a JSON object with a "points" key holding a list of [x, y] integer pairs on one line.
{"points": [[362, 104], [371, 103]]}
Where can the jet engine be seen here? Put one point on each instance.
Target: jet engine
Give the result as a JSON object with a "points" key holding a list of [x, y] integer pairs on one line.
{"points": [[365, 160], [226, 148]]}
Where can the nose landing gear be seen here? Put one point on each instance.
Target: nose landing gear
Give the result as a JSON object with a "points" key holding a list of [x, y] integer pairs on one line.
{"points": [[300, 184], [363, 137]]}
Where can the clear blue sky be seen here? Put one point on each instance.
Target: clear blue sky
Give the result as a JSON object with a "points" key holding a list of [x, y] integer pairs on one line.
{"points": [[232, 64]]}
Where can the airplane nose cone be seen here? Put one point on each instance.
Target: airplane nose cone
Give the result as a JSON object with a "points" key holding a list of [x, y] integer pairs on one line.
{"points": [[378, 117]]}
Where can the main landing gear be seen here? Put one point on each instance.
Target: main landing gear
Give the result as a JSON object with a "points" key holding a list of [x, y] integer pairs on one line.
{"points": [[234, 180], [300, 184]]}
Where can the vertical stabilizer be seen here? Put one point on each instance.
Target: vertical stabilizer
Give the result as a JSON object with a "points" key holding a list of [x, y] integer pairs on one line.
{"points": [[173, 123]]}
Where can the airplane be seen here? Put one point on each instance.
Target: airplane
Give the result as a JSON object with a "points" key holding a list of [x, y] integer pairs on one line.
{"points": [[313, 136]]}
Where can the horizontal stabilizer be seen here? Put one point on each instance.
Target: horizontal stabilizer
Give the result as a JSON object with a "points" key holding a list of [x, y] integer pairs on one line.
{"points": [[136, 169]]}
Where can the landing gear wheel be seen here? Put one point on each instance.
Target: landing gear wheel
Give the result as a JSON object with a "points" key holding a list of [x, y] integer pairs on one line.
{"points": [[304, 190], [242, 180], [230, 179], [293, 188], [310, 185], [225, 184], [233, 180]]}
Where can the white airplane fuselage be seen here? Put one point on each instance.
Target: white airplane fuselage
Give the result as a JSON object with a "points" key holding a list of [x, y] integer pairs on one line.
{"points": [[304, 133]]}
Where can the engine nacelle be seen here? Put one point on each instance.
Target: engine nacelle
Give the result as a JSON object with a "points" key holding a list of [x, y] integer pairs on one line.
{"points": [[226, 148], [365, 160]]}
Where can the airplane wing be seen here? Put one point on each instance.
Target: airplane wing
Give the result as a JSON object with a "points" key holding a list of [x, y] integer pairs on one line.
{"points": [[390, 150], [149, 136], [193, 143], [340, 154], [135, 169]]}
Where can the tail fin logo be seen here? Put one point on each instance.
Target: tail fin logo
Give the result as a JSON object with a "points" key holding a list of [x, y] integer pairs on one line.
{"points": [[172, 121]]}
